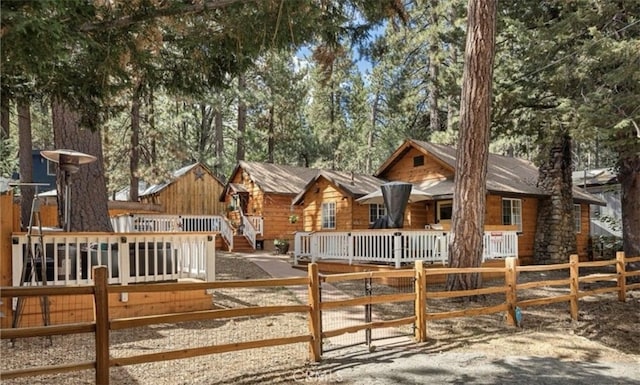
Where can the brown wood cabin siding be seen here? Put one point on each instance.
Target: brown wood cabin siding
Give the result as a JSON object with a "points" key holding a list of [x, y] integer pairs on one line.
{"points": [[190, 195], [418, 215], [582, 238], [275, 210], [234, 216], [350, 215], [276, 213], [421, 213], [254, 202], [325, 192], [360, 215], [529, 220], [404, 170]]}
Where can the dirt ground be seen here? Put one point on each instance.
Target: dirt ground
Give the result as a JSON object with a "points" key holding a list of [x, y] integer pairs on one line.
{"points": [[606, 327], [607, 331]]}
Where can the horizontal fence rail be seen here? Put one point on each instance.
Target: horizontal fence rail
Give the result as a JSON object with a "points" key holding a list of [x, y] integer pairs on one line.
{"points": [[420, 275], [130, 257], [394, 247]]}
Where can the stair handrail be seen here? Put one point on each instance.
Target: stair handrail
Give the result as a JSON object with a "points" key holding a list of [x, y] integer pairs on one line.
{"points": [[226, 230], [248, 230]]}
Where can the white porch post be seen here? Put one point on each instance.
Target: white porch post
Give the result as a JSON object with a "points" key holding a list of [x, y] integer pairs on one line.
{"points": [[350, 252], [123, 270], [211, 258], [314, 247], [17, 261], [297, 246], [397, 248]]}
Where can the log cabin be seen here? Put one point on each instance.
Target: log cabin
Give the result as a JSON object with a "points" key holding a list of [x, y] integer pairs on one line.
{"points": [[326, 200], [263, 192], [512, 196]]}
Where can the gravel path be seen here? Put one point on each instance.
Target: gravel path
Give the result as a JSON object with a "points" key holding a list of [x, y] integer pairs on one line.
{"points": [[255, 366]]}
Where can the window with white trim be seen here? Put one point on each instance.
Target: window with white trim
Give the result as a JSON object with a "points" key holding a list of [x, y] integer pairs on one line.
{"points": [[577, 218], [329, 215], [376, 211], [52, 167], [512, 212]]}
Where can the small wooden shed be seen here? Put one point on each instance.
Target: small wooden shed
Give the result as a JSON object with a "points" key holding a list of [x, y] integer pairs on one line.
{"points": [[192, 190]]}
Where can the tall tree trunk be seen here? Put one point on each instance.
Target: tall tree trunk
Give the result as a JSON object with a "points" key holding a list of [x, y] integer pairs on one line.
{"points": [[469, 196], [134, 150], [4, 116], [206, 131], [152, 127], [371, 135], [332, 120], [26, 162], [219, 143], [453, 58], [434, 68], [88, 190], [242, 118], [271, 133], [555, 231], [629, 178]]}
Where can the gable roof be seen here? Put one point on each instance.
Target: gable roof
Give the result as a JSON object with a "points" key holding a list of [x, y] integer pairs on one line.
{"points": [[275, 178], [355, 185], [505, 175], [156, 188], [594, 177], [124, 194]]}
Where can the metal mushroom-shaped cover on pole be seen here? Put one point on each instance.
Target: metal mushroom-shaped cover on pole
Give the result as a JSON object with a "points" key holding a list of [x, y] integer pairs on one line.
{"points": [[69, 162], [396, 197]]}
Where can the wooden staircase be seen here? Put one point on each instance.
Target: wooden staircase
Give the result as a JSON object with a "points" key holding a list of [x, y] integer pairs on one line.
{"points": [[241, 245]]}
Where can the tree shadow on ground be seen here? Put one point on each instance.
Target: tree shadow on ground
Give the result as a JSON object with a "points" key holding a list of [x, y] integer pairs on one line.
{"points": [[386, 367]]}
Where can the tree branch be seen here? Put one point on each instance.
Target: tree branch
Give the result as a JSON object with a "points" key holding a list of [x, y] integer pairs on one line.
{"points": [[186, 9]]}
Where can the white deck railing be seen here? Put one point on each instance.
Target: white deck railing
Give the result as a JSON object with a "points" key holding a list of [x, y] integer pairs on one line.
{"points": [[130, 223], [257, 223], [166, 223], [129, 257], [499, 244], [393, 246]]}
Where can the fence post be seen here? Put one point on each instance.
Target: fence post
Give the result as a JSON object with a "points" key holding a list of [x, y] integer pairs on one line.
{"points": [[421, 302], [621, 269], [574, 273], [101, 299], [314, 313], [511, 280]]}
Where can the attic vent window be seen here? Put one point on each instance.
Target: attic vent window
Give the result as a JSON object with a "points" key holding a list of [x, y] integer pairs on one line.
{"points": [[418, 161]]}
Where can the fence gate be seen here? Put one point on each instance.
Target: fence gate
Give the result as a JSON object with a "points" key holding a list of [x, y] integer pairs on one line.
{"points": [[342, 309]]}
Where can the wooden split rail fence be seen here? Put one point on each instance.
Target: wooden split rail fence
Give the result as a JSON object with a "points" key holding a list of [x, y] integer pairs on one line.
{"points": [[102, 325]]}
